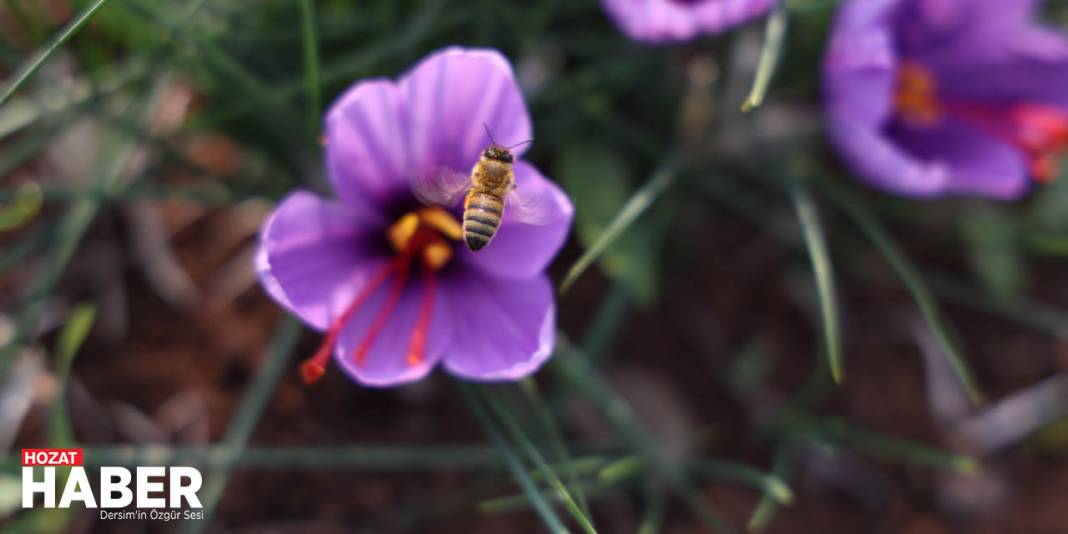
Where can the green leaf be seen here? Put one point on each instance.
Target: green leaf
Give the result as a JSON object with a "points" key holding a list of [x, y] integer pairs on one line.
{"points": [[70, 340], [606, 221], [768, 505], [772, 485], [25, 206], [556, 439], [311, 66], [520, 437], [869, 224], [10, 494], [617, 412], [37, 60], [511, 458], [820, 257], [245, 418], [774, 37], [993, 251]]}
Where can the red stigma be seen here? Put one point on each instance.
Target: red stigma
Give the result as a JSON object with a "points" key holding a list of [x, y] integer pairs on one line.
{"points": [[417, 345], [313, 368], [1039, 131], [422, 241], [359, 355], [1042, 132]]}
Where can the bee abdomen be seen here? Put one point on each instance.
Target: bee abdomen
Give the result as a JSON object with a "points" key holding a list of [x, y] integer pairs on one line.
{"points": [[482, 217]]}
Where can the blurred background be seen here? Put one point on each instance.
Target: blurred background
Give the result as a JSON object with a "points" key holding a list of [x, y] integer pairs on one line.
{"points": [[720, 261]]}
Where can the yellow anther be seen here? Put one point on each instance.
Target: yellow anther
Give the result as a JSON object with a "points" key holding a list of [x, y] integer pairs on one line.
{"points": [[442, 221], [402, 231], [916, 98], [436, 254]]}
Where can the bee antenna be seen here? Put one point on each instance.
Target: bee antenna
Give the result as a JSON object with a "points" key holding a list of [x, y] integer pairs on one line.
{"points": [[521, 143], [488, 134]]}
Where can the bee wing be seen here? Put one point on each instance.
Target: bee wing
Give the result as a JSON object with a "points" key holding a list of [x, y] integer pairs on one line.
{"points": [[531, 208], [440, 186]]}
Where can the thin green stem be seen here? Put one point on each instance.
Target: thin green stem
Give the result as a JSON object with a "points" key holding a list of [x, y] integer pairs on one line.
{"points": [[774, 38], [34, 63], [520, 437], [634, 208], [311, 65], [245, 418], [511, 459], [820, 257]]}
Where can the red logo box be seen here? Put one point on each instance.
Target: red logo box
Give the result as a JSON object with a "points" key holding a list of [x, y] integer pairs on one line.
{"points": [[52, 457]]}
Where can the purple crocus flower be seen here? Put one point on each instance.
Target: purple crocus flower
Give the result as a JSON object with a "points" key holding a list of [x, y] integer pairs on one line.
{"points": [[928, 98], [680, 20], [383, 274]]}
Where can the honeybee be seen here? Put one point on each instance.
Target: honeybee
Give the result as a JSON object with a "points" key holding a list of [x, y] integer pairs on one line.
{"points": [[492, 178], [489, 187]]}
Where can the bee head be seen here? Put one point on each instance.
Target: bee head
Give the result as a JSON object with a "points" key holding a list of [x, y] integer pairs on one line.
{"points": [[498, 153]]}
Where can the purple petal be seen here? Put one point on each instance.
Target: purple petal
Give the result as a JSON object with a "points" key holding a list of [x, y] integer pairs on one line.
{"points": [[881, 162], [991, 50], [386, 362], [521, 250], [502, 329], [366, 135], [859, 68], [948, 33], [975, 163], [450, 95], [1023, 80], [679, 20], [314, 257]]}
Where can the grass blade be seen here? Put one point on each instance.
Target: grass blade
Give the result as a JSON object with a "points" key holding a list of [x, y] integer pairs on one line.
{"points": [[556, 439], [655, 502], [512, 503], [369, 459], [820, 257], [892, 448], [873, 229], [245, 418], [520, 437], [511, 459], [25, 205], [635, 206], [586, 380], [770, 484], [768, 506], [606, 323], [34, 63], [107, 170], [70, 340], [836, 433], [1032, 314], [311, 66], [774, 37]]}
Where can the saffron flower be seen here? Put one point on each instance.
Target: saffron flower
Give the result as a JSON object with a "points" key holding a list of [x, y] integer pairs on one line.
{"points": [[383, 274], [659, 21], [951, 97]]}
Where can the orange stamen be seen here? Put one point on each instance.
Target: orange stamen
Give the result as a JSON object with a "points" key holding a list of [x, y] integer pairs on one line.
{"points": [[421, 235], [916, 98], [1039, 131]]}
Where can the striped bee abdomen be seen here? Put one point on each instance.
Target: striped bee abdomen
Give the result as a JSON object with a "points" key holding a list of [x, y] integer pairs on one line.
{"points": [[482, 217]]}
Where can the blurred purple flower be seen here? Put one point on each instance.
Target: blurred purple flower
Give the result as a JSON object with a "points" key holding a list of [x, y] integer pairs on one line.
{"points": [[384, 275], [928, 98], [680, 20]]}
